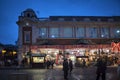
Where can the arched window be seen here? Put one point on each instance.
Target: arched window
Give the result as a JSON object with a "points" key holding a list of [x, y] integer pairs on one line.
{"points": [[28, 14]]}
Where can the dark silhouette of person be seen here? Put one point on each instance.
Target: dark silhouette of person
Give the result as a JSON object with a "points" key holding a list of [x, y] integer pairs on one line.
{"points": [[118, 69], [84, 63], [70, 65], [48, 64], [52, 63], [65, 68], [101, 69]]}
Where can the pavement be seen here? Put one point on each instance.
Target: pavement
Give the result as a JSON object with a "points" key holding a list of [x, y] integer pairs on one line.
{"points": [[86, 73]]}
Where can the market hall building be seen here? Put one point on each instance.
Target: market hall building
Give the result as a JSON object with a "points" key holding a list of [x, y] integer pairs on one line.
{"points": [[67, 36]]}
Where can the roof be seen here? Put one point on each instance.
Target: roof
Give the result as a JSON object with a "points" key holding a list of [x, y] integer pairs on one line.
{"points": [[85, 18]]}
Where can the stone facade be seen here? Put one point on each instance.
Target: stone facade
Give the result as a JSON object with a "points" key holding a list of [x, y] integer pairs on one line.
{"points": [[29, 34]]}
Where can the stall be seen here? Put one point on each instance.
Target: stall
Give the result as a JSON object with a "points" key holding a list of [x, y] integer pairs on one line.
{"points": [[38, 60], [81, 61]]}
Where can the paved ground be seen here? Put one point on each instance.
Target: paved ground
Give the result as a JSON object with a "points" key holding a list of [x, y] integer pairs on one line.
{"points": [[54, 74]]}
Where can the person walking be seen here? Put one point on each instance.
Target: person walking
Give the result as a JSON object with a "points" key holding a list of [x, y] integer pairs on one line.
{"points": [[65, 68], [118, 70], [52, 63], [101, 69], [83, 63], [70, 65], [48, 64]]}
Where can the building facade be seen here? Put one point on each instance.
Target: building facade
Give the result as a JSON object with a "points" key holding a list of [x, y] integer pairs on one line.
{"points": [[76, 35]]}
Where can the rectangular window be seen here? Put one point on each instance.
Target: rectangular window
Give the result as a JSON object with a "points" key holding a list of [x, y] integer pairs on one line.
{"points": [[115, 32], [86, 19], [91, 32], [43, 32], [104, 32], [80, 32], [67, 32], [60, 19], [27, 36], [54, 32]]}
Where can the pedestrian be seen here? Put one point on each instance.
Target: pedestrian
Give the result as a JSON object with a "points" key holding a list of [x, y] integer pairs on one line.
{"points": [[65, 68], [48, 64], [118, 70], [101, 69], [70, 65], [52, 63], [84, 62]]}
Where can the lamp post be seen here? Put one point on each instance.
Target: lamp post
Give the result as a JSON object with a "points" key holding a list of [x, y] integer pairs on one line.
{"points": [[3, 51], [14, 52]]}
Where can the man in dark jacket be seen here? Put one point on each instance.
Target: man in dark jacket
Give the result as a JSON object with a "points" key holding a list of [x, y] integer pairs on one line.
{"points": [[65, 68], [70, 65], [101, 69]]}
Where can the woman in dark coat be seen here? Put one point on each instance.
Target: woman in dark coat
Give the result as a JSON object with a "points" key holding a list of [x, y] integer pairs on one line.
{"points": [[70, 65], [65, 68], [101, 69]]}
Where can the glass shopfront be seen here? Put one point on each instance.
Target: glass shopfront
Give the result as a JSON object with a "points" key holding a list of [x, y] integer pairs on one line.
{"points": [[58, 55]]}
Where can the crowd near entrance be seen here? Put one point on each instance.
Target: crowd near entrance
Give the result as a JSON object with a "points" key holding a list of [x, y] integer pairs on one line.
{"points": [[81, 57]]}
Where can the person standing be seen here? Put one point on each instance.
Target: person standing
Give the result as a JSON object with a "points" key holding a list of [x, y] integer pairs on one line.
{"points": [[84, 63], [101, 69], [48, 64], [118, 70], [70, 65], [52, 63], [65, 68]]}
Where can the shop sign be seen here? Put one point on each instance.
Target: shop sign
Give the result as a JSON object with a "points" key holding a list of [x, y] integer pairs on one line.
{"points": [[36, 54]]}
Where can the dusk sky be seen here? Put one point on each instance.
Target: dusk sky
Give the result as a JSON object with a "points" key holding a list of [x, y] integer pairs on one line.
{"points": [[11, 9]]}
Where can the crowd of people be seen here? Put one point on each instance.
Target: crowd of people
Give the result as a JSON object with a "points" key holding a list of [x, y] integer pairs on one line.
{"points": [[67, 67], [101, 66], [101, 69]]}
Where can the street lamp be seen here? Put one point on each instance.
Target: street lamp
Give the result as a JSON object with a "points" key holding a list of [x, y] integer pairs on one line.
{"points": [[3, 51], [14, 52]]}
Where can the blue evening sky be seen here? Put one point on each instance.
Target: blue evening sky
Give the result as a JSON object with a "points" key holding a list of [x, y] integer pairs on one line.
{"points": [[11, 9]]}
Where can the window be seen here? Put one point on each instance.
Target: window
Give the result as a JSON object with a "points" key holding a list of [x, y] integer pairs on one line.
{"points": [[27, 36], [91, 32], [104, 32], [28, 15], [61, 19], [43, 32], [110, 20], [86, 19], [67, 32], [54, 32], [116, 32], [74, 19], [98, 19], [80, 32]]}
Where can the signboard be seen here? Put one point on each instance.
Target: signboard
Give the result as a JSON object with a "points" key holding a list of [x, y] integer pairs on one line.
{"points": [[38, 59]]}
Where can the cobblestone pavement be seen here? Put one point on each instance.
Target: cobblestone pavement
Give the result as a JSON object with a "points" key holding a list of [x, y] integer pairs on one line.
{"points": [[54, 74], [90, 73]]}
